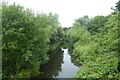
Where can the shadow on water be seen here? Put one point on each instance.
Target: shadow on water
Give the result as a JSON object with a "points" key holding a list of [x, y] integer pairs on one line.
{"points": [[53, 67], [60, 65]]}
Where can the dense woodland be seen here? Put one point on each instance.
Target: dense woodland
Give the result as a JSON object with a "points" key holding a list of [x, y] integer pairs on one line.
{"points": [[28, 40]]}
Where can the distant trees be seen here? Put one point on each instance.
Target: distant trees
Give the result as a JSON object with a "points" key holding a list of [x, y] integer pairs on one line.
{"points": [[84, 21], [96, 24], [93, 25]]}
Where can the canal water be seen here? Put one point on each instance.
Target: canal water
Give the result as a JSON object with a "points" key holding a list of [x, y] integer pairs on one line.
{"points": [[60, 65]]}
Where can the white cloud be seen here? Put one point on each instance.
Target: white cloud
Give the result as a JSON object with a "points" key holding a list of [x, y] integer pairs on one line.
{"points": [[68, 10]]}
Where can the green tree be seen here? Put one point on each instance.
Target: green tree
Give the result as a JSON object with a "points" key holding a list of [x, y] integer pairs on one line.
{"points": [[26, 40], [96, 24], [84, 21]]}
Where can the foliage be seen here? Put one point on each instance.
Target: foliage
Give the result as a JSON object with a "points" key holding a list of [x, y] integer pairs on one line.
{"points": [[98, 52], [94, 25], [84, 21], [27, 40]]}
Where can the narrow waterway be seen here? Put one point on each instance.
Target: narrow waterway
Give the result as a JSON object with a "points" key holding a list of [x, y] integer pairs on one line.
{"points": [[59, 66]]}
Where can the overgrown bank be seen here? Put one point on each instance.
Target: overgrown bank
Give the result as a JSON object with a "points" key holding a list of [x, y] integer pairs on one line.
{"points": [[95, 44]]}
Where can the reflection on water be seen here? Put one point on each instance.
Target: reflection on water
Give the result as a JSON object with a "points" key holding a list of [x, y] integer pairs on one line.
{"points": [[59, 66], [53, 67], [74, 59], [68, 68]]}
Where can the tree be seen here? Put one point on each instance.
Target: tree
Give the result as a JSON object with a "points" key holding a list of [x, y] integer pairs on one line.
{"points": [[96, 24], [26, 40], [84, 21]]}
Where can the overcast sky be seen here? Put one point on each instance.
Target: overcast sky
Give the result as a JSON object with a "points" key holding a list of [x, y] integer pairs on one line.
{"points": [[68, 10]]}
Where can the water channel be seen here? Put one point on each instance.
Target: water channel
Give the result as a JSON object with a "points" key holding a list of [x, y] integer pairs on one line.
{"points": [[60, 65]]}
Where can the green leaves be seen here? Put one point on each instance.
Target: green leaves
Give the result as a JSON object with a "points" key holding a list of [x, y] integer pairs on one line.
{"points": [[96, 48], [27, 40]]}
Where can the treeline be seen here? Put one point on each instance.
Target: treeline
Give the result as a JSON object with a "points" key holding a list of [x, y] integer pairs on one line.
{"points": [[27, 40], [95, 45]]}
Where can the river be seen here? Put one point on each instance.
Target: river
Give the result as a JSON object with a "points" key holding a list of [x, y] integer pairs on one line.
{"points": [[60, 65]]}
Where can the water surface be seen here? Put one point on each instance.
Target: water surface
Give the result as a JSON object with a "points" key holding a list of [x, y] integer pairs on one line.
{"points": [[59, 66]]}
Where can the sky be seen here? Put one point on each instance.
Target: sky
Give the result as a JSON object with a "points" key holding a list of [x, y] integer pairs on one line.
{"points": [[69, 10]]}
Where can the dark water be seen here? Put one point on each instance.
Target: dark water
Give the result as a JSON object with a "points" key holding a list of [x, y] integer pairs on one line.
{"points": [[59, 66]]}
